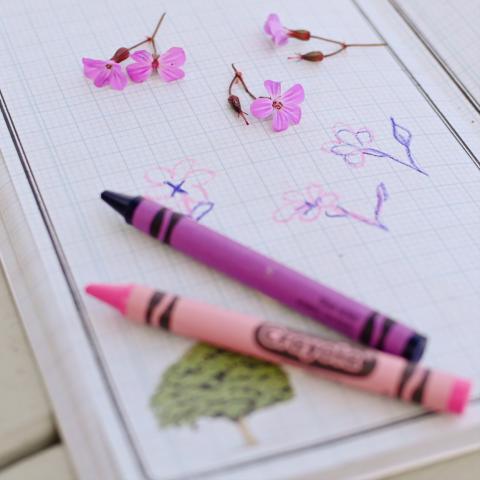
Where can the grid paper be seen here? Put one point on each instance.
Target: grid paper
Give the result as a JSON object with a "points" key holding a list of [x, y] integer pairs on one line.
{"points": [[81, 140]]}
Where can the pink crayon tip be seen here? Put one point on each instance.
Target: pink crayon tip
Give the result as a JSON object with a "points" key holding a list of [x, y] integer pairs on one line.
{"points": [[115, 295], [459, 396]]}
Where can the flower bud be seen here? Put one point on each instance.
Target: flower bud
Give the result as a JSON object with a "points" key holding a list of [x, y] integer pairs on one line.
{"points": [[312, 56], [121, 54], [299, 34], [234, 102]]}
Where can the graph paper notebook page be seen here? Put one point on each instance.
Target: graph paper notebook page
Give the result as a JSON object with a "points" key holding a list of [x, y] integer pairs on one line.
{"points": [[373, 193]]}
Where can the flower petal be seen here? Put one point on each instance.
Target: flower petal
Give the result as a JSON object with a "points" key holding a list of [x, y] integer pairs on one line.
{"points": [[261, 108], [294, 95], [139, 72], [280, 38], [274, 89], [344, 149], [272, 21], [169, 74], [280, 120], [118, 79], [174, 57], [293, 112], [363, 136], [142, 56], [91, 67], [345, 135], [102, 77]]}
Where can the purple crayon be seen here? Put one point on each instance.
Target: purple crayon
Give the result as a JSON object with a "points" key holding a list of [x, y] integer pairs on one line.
{"points": [[257, 271]]}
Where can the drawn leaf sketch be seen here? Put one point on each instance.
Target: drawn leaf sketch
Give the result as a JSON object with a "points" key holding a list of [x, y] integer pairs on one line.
{"points": [[210, 382], [401, 134]]}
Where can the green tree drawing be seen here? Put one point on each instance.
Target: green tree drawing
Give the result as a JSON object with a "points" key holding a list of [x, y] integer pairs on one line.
{"points": [[210, 382]]}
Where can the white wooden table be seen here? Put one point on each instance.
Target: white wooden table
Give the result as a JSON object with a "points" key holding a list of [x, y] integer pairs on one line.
{"points": [[29, 445]]}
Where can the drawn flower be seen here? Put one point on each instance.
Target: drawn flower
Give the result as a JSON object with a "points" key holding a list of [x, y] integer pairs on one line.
{"points": [[284, 109], [166, 65], [104, 72], [182, 187], [351, 145], [276, 30], [307, 205]]}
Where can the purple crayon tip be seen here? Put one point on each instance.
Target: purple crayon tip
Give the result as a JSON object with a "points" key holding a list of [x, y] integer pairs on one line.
{"points": [[114, 295]]}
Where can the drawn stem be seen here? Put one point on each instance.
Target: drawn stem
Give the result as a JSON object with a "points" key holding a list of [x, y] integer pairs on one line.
{"points": [[246, 433]]}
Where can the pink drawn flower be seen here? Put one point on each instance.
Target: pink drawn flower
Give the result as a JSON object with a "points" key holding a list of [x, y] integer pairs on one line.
{"points": [[307, 205], [166, 65], [276, 30], [284, 108], [182, 187], [104, 72]]}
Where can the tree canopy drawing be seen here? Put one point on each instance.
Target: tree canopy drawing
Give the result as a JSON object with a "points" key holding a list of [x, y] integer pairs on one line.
{"points": [[211, 382]]}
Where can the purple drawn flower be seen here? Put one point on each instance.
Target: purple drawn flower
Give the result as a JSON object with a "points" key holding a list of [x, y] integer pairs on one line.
{"points": [[351, 145], [284, 108]]}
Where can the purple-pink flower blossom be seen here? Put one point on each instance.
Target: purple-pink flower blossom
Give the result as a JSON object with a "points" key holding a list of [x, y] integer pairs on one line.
{"points": [[284, 108], [276, 30], [167, 65], [104, 72]]}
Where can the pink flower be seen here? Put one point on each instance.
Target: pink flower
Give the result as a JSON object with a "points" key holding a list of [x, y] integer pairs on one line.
{"points": [[104, 72], [167, 65], [276, 30], [284, 108]]}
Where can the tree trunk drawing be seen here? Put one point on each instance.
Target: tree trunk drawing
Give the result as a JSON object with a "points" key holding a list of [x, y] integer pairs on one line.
{"points": [[247, 434]]}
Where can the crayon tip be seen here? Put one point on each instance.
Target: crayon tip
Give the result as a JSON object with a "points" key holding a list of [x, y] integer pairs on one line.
{"points": [[459, 396], [124, 204], [415, 348], [115, 295]]}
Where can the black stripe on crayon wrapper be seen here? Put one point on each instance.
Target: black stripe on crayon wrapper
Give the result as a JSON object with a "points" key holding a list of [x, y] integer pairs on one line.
{"points": [[166, 315], [134, 203], [417, 395], [366, 334], [407, 373], [157, 223], [173, 222], [154, 301], [387, 325]]}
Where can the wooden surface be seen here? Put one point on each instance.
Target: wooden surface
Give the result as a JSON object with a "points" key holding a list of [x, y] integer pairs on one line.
{"points": [[29, 446]]}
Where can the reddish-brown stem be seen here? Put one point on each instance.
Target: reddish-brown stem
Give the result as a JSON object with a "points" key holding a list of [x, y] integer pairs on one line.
{"points": [[341, 49], [325, 39], [231, 84], [238, 75]]}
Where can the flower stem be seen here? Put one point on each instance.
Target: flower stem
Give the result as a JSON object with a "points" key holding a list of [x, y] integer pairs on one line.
{"points": [[330, 40], [138, 44], [365, 44], [341, 49], [158, 25], [238, 75], [154, 46]]}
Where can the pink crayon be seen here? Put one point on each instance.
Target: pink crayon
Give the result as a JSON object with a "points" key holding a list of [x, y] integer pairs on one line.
{"points": [[340, 361]]}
